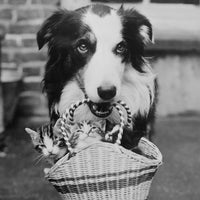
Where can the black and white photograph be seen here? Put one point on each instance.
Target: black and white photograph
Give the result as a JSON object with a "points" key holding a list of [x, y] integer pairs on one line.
{"points": [[99, 99]]}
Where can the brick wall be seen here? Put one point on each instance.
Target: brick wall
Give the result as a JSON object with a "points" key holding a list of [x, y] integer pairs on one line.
{"points": [[21, 20]]}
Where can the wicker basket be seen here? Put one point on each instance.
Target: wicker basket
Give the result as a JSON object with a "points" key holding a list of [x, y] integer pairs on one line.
{"points": [[106, 171]]}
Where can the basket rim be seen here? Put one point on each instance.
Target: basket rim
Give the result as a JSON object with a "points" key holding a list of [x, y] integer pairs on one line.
{"points": [[116, 149]]}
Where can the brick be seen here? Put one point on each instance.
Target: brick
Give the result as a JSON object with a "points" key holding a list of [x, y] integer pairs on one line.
{"points": [[31, 71], [17, 2], [30, 56], [11, 73], [52, 2], [32, 86], [6, 14], [33, 68], [9, 43], [21, 55], [7, 57], [32, 83], [3, 27], [20, 40], [27, 71], [29, 14], [33, 64], [12, 66], [32, 103], [12, 40], [24, 28], [29, 42]]}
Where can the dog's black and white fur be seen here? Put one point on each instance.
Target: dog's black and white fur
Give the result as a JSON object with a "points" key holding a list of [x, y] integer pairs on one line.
{"points": [[98, 52]]}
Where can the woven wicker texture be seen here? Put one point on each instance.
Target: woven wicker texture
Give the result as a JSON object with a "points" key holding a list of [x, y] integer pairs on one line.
{"points": [[106, 171]]}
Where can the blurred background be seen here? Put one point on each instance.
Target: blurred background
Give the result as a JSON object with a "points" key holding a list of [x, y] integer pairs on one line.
{"points": [[175, 57]]}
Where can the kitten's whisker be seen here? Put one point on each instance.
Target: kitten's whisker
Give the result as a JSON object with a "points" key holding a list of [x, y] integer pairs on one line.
{"points": [[38, 159]]}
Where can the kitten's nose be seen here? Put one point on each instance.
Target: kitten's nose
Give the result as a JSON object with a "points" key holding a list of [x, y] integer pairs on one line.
{"points": [[50, 152]]}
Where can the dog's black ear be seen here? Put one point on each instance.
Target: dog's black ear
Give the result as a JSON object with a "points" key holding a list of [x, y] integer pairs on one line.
{"points": [[47, 29], [137, 23]]}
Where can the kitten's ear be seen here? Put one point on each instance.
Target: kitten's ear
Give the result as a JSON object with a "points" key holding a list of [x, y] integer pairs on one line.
{"points": [[34, 135], [56, 128], [101, 124]]}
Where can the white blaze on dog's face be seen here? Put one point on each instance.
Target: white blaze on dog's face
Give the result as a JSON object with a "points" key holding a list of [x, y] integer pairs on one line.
{"points": [[105, 68]]}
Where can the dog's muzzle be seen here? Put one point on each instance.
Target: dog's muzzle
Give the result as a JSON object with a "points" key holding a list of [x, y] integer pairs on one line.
{"points": [[101, 110]]}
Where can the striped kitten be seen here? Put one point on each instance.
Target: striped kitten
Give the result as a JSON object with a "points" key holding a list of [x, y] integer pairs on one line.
{"points": [[87, 133], [52, 146], [83, 134], [50, 142]]}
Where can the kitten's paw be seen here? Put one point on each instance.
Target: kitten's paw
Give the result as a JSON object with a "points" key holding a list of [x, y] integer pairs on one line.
{"points": [[46, 170]]}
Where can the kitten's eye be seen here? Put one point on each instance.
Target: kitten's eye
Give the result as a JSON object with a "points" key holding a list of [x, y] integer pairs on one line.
{"points": [[82, 48], [56, 138], [38, 148], [121, 48], [62, 144], [93, 128]]}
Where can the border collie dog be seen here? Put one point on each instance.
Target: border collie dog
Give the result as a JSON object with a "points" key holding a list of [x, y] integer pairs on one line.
{"points": [[98, 52]]}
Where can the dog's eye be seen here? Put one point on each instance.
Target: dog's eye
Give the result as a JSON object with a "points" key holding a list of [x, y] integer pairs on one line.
{"points": [[82, 48], [121, 48]]}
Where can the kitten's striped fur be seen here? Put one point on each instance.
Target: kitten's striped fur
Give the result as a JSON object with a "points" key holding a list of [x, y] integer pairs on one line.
{"points": [[50, 142]]}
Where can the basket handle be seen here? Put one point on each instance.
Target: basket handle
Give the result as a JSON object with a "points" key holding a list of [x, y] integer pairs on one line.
{"points": [[69, 114]]}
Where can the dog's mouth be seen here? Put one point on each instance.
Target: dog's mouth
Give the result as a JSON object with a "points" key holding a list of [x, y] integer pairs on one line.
{"points": [[101, 110]]}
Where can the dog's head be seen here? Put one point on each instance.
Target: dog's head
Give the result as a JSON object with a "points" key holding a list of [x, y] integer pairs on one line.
{"points": [[100, 50]]}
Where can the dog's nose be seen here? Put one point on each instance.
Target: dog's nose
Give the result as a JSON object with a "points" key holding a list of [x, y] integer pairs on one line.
{"points": [[107, 93]]}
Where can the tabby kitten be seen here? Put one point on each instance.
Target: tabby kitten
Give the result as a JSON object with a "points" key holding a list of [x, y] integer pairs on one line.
{"points": [[52, 146], [50, 142], [86, 133]]}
